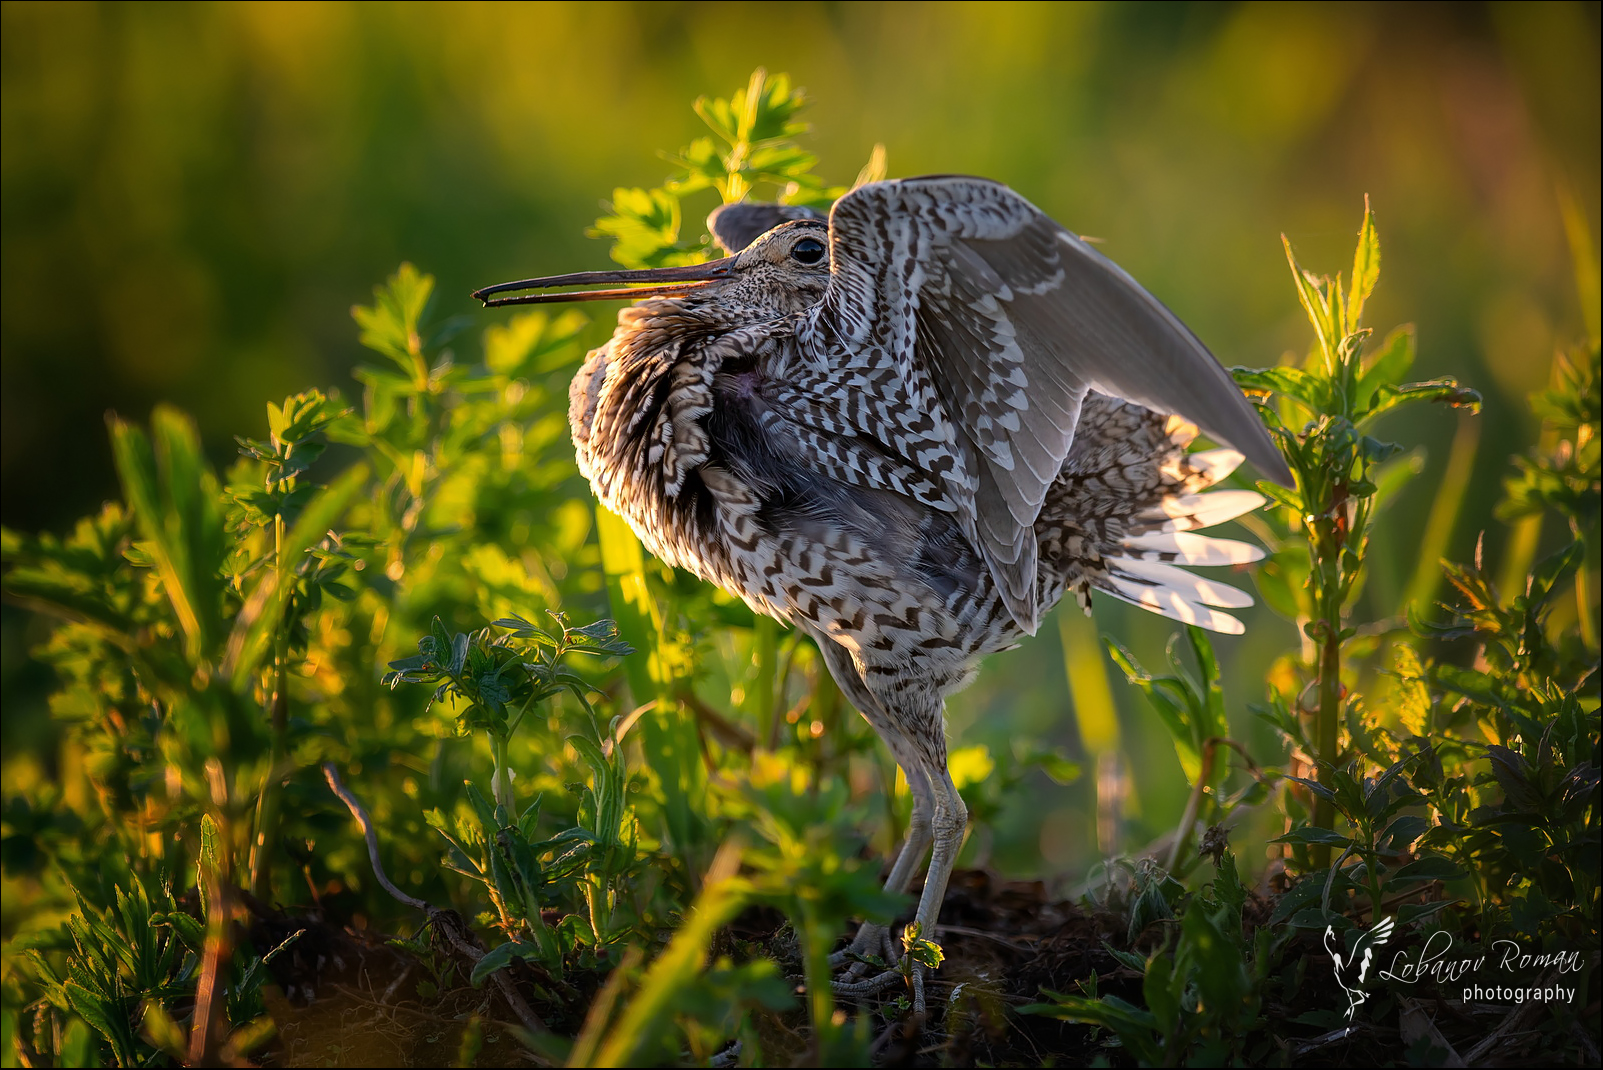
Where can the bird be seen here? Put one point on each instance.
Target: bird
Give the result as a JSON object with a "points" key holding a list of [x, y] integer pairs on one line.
{"points": [[1354, 968], [910, 428]]}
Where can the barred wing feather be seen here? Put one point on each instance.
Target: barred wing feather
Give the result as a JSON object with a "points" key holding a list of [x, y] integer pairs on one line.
{"points": [[996, 321]]}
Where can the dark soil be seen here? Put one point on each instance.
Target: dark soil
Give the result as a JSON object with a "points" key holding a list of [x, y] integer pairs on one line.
{"points": [[346, 997]]}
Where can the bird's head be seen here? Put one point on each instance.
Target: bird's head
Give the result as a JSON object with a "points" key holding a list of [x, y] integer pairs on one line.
{"points": [[783, 271]]}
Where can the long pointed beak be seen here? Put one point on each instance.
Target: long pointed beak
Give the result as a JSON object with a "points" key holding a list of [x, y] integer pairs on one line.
{"points": [[657, 282]]}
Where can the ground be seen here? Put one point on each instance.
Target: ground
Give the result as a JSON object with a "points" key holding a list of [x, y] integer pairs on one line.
{"points": [[347, 997]]}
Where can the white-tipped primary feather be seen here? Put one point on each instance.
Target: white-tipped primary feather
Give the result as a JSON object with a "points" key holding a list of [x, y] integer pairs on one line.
{"points": [[1184, 548], [1190, 587], [1188, 512], [1214, 465], [1168, 603]]}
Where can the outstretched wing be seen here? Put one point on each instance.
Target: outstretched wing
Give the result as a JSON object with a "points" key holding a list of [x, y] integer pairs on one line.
{"points": [[967, 327]]}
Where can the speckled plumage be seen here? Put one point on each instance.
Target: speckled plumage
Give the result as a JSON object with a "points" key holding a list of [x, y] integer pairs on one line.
{"points": [[916, 446]]}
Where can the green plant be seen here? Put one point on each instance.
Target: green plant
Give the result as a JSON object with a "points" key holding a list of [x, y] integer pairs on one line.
{"points": [[1204, 995], [1321, 418], [1484, 767], [1192, 708], [637, 842]]}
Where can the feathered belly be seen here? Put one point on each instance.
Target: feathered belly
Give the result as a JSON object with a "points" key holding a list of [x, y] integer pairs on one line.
{"points": [[710, 485]]}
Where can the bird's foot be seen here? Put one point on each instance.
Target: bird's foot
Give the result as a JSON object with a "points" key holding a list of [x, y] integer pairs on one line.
{"points": [[872, 986], [886, 980], [906, 964], [870, 961], [873, 942]]}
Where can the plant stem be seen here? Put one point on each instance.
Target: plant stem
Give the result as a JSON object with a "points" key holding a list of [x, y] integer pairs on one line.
{"points": [[278, 716], [765, 655], [1328, 535], [1188, 820], [1583, 594], [1327, 723], [816, 938], [210, 1023]]}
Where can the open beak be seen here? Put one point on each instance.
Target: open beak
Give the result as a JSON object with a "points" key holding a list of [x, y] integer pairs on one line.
{"points": [[658, 282]]}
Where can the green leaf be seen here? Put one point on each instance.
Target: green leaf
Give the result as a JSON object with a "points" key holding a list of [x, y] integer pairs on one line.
{"points": [[1366, 270], [211, 848], [533, 343], [1211, 714], [1316, 303], [263, 613], [1387, 367], [676, 969], [1403, 831], [1445, 391], [1311, 834], [190, 931], [482, 809], [500, 957], [1228, 887], [1552, 571], [1169, 699], [391, 324], [644, 226], [1128, 959], [175, 499], [1514, 775], [920, 949], [1310, 388], [1314, 786], [109, 1021], [1161, 990], [1428, 868]]}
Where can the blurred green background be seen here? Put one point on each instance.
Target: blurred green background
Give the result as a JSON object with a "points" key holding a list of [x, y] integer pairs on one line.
{"points": [[195, 194]]}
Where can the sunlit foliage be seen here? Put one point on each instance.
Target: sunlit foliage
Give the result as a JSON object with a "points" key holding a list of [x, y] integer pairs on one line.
{"points": [[581, 767]]}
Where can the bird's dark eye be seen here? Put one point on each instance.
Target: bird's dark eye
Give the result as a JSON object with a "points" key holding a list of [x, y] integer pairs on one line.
{"points": [[808, 250]]}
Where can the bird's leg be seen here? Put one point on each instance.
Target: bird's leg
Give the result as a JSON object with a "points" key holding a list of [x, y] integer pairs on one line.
{"points": [[918, 835], [951, 819], [875, 939], [910, 720]]}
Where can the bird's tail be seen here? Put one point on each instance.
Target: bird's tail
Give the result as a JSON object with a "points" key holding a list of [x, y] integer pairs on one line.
{"points": [[1122, 517]]}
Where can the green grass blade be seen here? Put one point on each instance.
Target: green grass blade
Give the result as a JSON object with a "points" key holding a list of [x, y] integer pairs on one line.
{"points": [[1444, 511], [668, 732], [644, 1020]]}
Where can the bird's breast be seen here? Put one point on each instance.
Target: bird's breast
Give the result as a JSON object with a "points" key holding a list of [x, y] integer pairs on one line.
{"points": [[686, 439], [665, 418]]}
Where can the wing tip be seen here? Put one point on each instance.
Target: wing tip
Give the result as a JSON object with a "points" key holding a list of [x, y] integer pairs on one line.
{"points": [[1190, 549], [1270, 463], [1175, 608]]}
